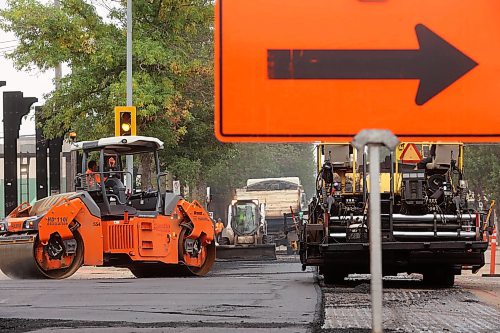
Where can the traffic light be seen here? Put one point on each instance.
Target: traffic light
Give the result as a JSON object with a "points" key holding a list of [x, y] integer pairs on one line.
{"points": [[125, 123], [15, 107]]}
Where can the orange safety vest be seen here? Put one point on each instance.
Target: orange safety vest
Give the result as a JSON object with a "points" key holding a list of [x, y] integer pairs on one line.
{"points": [[218, 227], [92, 178]]}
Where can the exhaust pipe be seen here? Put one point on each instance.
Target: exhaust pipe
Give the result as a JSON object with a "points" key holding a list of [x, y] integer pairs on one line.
{"points": [[338, 234], [462, 234], [413, 218]]}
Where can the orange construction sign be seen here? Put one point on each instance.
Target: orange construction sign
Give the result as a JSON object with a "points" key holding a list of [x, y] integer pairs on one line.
{"points": [[302, 70], [410, 154]]}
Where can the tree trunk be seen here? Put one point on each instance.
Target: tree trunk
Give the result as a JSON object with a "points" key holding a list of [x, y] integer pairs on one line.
{"points": [[199, 192], [146, 170]]}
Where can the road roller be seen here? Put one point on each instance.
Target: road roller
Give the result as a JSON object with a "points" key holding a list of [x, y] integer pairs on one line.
{"points": [[153, 233]]}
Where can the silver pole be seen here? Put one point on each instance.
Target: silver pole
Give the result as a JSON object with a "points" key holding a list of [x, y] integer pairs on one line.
{"points": [[130, 158], [57, 84], [375, 238], [375, 139], [129, 53], [58, 68]]}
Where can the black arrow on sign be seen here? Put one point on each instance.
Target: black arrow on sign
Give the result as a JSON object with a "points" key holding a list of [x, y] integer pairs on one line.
{"points": [[437, 64]]}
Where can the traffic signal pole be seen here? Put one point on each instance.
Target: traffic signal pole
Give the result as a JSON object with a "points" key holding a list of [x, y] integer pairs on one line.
{"points": [[15, 107], [130, 158]]}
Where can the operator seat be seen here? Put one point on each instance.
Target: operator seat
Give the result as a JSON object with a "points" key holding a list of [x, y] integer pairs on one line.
{"points": [[338, 155], [443, 156], [117, 188]]}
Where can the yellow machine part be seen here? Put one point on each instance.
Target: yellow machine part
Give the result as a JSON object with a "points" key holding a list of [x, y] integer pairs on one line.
{"points": [[356, 178]]}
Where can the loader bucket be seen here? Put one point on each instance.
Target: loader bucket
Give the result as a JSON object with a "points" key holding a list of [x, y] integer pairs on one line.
{"points": [[246, 252]]}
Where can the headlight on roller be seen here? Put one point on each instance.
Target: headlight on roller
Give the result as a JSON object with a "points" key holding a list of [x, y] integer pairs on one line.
{"points": [[30, 223], [3, 226]]}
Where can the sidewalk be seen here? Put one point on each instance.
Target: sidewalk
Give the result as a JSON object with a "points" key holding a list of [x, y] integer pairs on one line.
{"points": [[486, 288]]}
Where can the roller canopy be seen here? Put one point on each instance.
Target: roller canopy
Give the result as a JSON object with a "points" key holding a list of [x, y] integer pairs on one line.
{"points": [[121, 144]]}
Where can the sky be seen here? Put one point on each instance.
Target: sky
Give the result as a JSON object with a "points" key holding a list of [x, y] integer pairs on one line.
{"points": [[34, 83]]}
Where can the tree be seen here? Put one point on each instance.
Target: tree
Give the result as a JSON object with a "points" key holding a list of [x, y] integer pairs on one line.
{"points": [[245, 161], [173, 71], [172, 81], [482, 169]]}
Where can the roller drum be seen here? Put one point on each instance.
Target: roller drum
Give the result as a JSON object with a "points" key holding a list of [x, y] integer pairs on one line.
{"points": [[17, 259]]}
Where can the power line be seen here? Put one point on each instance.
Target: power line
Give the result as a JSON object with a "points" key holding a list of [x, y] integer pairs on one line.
{"points": [[7, 49], [5, 54]]}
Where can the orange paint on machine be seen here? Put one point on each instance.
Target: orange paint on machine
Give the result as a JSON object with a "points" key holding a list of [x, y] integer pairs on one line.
{"points": [[324, 70], [153, 233]]}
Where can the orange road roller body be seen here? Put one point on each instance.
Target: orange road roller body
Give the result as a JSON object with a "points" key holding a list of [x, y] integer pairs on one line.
{"points": [[56, 235]]}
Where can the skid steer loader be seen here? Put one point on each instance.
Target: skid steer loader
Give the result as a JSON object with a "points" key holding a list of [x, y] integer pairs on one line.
{"points": [[153, 233], [245, 237]]}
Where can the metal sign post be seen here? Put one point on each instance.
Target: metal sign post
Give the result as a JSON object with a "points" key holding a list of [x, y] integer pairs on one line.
{"points": [[176, 186], [387, 72], [375, 139]]}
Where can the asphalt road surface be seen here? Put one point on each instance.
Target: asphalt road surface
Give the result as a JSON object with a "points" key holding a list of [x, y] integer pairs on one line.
{"points": [[409, 306], [236, 297], [272, 296]]}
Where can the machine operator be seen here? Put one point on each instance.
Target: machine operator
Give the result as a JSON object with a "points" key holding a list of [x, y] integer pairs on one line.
{"points": [[93, 177]]}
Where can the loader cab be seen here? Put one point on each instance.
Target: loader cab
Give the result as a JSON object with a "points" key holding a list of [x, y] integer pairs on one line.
{"points": [[245, 217], [107, 186]]}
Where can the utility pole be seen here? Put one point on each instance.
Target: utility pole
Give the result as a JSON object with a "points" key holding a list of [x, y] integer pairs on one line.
{"points": [[130, 158], [57, 83]]}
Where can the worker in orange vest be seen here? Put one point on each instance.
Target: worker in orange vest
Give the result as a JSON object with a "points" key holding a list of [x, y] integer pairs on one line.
{"points": [[92, 174], [219, 226]]}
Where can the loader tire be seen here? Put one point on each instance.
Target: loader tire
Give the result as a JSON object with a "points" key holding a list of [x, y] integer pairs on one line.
{"points": [[224, 241], [331, 277], [439, 278], [267, 239]]}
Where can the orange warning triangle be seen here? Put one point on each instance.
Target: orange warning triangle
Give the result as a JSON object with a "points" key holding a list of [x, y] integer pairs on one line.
{"points": [[410, 154]]}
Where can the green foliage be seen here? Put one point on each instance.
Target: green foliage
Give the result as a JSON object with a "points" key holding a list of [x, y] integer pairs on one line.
{"points": [[246, 161], [173, 70], [172, 83], [482, 169], [172, 48]]}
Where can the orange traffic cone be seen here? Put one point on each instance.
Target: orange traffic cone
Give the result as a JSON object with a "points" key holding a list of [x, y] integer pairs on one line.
{"points": [[493, 250]]}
